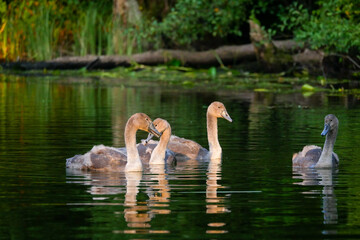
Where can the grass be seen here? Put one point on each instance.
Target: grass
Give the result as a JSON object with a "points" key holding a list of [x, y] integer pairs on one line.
{"points": [[124, 40], [40, 40], [24, 40], [12, 40], [100, 35], [38, 34], [88, 35]]}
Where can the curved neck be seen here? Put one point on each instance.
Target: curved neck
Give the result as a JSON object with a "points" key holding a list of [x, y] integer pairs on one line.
{"points": [[325, 160], [212, 133], [133, 158], [158, 155]]}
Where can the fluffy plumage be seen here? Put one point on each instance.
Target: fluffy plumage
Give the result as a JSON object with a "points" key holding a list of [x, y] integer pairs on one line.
{"points": [[314, 156]]}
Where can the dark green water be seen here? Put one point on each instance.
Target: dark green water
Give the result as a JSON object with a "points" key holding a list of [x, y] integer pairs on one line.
{"points": [[254, 193]]}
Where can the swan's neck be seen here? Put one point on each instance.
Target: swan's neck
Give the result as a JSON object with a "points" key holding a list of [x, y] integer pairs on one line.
{"points": [[212, 132], [133, 159], [325, 160], [158, 155]]}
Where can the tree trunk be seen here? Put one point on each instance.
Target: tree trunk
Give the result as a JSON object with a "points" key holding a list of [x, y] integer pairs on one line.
{"points": [[266, 51], [264, 48], [125, 13]]}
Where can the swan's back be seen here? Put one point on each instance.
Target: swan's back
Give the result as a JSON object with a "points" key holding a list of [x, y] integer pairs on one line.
{"points": [[186, 149], [108, 158], [145, 151], [309, 156], [100, 158]]}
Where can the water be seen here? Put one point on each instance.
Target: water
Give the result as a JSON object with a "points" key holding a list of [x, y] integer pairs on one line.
{"points": [[253, 193]]}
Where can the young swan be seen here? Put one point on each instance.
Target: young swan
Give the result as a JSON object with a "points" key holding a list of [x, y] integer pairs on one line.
{"points": [[188, 149], [111, 159], [312, 156], [156, 152]]}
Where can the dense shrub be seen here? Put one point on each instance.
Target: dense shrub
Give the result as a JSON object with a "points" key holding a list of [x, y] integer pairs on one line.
{"points": [[333, 27], [192, 20]]}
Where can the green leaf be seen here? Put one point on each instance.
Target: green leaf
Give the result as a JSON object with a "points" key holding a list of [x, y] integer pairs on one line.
{"points": [[212, 72], [307, 88]]}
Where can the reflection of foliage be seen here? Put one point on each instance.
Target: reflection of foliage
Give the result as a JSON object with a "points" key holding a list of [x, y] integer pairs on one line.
{"points": [[44, 121], [213, 79]]}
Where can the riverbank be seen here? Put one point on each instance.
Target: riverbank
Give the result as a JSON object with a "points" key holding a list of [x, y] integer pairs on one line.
{"points": [[213, 79], [289, 58]]}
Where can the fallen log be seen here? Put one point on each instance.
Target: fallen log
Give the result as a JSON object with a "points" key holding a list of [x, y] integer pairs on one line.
{"points": [[227, 55], [291, 57]]}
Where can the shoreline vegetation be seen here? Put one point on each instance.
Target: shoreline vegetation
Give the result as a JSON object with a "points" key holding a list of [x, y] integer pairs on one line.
{"points": [[320, 38]]}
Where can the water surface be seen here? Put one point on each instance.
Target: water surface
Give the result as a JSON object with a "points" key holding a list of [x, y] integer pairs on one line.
{"points": [[252, 193]]}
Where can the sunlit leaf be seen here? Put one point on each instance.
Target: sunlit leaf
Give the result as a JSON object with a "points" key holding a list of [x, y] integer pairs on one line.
{"points": [[307, 88], [212, 72]]}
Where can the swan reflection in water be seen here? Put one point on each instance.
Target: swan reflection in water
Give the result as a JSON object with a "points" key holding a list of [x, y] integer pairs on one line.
{"points": [[323, 177], [214, 203], [138, 215], [122, 189]]}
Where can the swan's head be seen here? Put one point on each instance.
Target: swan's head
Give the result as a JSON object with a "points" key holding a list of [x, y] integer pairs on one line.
{"points": [[143, 122], [161, 125], [218, 110], [331, 123]]}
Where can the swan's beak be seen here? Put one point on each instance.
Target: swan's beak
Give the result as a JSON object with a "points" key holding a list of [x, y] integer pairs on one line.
{"points": [[226, 116], [152, 130], [326, 129], [150, 136]]}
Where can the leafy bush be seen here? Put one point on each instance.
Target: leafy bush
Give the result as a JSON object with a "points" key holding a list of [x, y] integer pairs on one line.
{"points": [[334, 27], [192, 20]]}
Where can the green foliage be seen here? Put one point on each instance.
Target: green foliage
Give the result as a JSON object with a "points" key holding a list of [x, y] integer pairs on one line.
{"points": [[294, 17], [40, 37], [193, 20], [212, 72], [323, 33], [307, 88], [44, 29], [89, 34], [334, 27], [125, 40], [2, 7]]}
